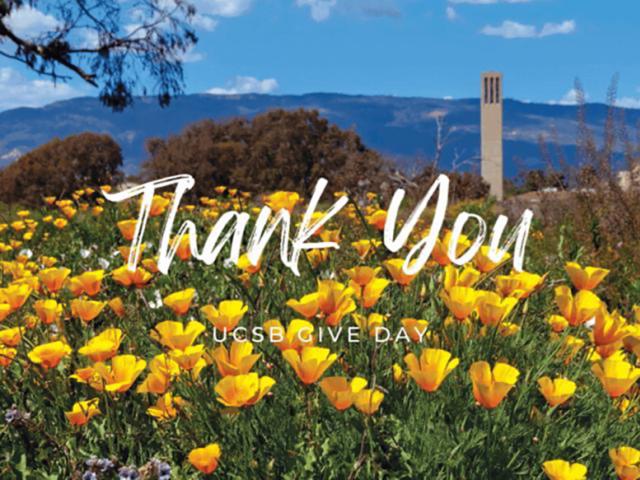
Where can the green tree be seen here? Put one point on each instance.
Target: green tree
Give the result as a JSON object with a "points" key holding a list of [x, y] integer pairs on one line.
{"points": [[112, 45]]}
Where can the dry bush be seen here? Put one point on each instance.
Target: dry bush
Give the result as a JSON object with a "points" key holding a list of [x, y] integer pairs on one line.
{"points": [[61, 166], [278, 150], [596, 218], [601, 208], [463, 185]]}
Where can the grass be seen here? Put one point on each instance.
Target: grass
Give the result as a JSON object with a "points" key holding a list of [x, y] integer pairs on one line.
{"points": [[295, 432]]}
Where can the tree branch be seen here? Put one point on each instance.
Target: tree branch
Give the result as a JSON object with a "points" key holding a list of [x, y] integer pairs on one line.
{"points": [[46, 53]]}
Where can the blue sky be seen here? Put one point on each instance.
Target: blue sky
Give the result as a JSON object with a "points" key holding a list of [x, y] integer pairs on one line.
{"points": [[434, 48]]}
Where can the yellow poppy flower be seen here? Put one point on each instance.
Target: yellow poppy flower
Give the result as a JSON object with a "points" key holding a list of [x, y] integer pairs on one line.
{"points": [[616, 376], [377, 219], [163, 369], [484, 263], [60, 223], [49, 311], [586, 278], [238, 360], [307, 306], [227, 316], [180, 302], [626, 461], [86, 310], [369, 323], [609, 329], [206, 458], [166, 407], [127, 278], [579, 308], [246, 266], [490, 386], [368, 401], [460, 301], [557, 323], [493, 309], [369, 293], [563, 470], [466, 277], [518, 284], [441, 249], [556, 391], [127, 228], [430, 370], [15, 295], [363, 247], [282, 200], [335, 301], [117, 306], [341, 392], [120, 375], [7, 354], [243, 390], [103, 346], [175, 335], [415, 328], [5, 311], [88, 283], [297, 335], [310, 363], [53, 278], [394, 267], [82, 411], [49, 355], [10, 337], [159, 205]]}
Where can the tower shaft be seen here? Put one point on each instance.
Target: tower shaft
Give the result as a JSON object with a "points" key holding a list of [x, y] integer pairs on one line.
{"points": [[491, 132]]}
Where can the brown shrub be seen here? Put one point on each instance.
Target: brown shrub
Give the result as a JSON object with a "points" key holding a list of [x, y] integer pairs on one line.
{"points": [[278, 150], [60, 167], [462, 186], [602, 211], [596, 220]]}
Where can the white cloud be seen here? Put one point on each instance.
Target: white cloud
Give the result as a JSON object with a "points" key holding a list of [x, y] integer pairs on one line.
{"points": [[510, 29], [18, 91], [628, 102], [242, 84], [572, 98], [88, 38], [223, 8], [191, 56], [135, 30], [204, 22], [320, 9], [208, 10], [564, 28], [569, 98], [27, 21], [451, 13]]}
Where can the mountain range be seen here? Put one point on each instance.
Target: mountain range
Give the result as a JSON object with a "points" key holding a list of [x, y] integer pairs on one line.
{"points": [[402, 128]]}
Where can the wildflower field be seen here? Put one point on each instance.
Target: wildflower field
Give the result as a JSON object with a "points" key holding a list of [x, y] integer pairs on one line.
{"points": [[353, 369]]}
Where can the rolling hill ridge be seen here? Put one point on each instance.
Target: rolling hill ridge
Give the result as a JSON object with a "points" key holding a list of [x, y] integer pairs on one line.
{"points": [[403, 128]]}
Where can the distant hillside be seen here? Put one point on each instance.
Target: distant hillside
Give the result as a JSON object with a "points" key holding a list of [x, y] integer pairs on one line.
{"points": [[402, 128]]}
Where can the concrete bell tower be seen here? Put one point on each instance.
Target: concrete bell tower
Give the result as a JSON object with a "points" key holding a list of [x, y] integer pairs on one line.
{"points": [[491, 131]]}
